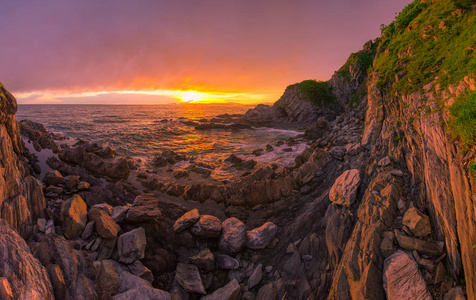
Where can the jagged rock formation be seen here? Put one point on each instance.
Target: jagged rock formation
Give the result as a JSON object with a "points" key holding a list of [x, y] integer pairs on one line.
{"points": [[21, 197]]}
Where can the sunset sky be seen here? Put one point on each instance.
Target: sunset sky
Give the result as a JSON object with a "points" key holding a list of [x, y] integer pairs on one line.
{"points": [[159, 51]]}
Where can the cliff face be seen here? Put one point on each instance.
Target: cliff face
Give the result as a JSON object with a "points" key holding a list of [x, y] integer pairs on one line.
{"points": [[21, 197]]}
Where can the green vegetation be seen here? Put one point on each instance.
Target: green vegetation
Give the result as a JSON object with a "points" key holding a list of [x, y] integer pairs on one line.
{"points": [[364, 59], [472, 167], [428, 41], [316, 91], [463, 123]]}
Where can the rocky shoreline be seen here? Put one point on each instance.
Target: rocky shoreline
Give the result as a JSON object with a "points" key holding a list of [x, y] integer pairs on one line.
{"points": [[360, 214]]}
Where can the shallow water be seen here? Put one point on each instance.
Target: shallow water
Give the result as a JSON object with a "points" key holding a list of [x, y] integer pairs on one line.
{"points": [[146, 130]]}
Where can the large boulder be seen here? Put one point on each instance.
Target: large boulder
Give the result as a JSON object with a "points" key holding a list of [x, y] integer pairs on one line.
{"points": [[231, 291], [105, 225], [131, 245], [73, 216], [207, 227], [261, 237], [108, 277], [411, 243], [344, 190], [187, 220], [144, 208], [22, 275], [132, 287], [402, 279], [188, 277], [233, 236], [417, 222]]}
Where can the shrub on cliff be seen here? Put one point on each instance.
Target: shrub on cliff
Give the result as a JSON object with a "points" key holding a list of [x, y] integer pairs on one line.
{"points": [[316, 91], [463, 123]]}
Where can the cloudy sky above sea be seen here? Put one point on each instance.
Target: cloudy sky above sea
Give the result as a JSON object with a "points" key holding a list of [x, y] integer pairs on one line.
{"points": [[159, 51]]}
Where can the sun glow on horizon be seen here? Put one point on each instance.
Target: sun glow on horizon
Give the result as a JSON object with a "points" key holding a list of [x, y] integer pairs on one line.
{"points": [[140, 97]]}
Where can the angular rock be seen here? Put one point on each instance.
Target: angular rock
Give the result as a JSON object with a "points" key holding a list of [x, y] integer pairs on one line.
{"points": [[5, 289], [73, 216], [187, 220], [88, 230], [261, 237], [188, 277], [421, 246], [440, 273], [57, 280], [344, 190], [231, 291], [104, 224], [402, 279], [233, 236], [133, 287], [145, 207], [255, 277], [54, 189], [417, 222], [227, 262], [84, 186], [108, 278], [384, 161], [41, 223], [105, 207], [337, 152], [207, 226], [138, 269], [72, 182], [119, 213], [205, 260], [131, 245], [387, 247], [53, 177]]}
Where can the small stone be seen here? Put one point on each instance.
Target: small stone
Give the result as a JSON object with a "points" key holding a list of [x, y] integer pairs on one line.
{"points": [[427, 264], [440, 273], [187, 220], [260, 237], [227, 262], [337, 152], [268, 269], [108, 278], [231, 291], [104, 207], [144, 208], [421, 246], [53, 177], [72, 182], [119, 213], [88, 230], [138, 269], [387, 247], [397, 173], [255, 277], [41, 223], [384, 161], [84, 186], [205, 260], [455, 293], [5, 289], [291, 248]]}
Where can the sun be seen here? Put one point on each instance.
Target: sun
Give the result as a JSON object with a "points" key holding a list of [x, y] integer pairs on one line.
{"points": [[191, 96]]}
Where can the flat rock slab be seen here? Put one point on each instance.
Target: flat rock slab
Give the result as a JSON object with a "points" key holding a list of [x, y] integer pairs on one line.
{"points": [[402, 279], [207, 226], [144, 208], [261, 237], [344, 190], [410, 243], [233, 236], [188, 277], [231, 291], [187, 220]]}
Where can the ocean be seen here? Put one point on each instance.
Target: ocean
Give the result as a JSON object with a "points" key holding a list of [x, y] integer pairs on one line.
{"points": [[143, 131]]}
